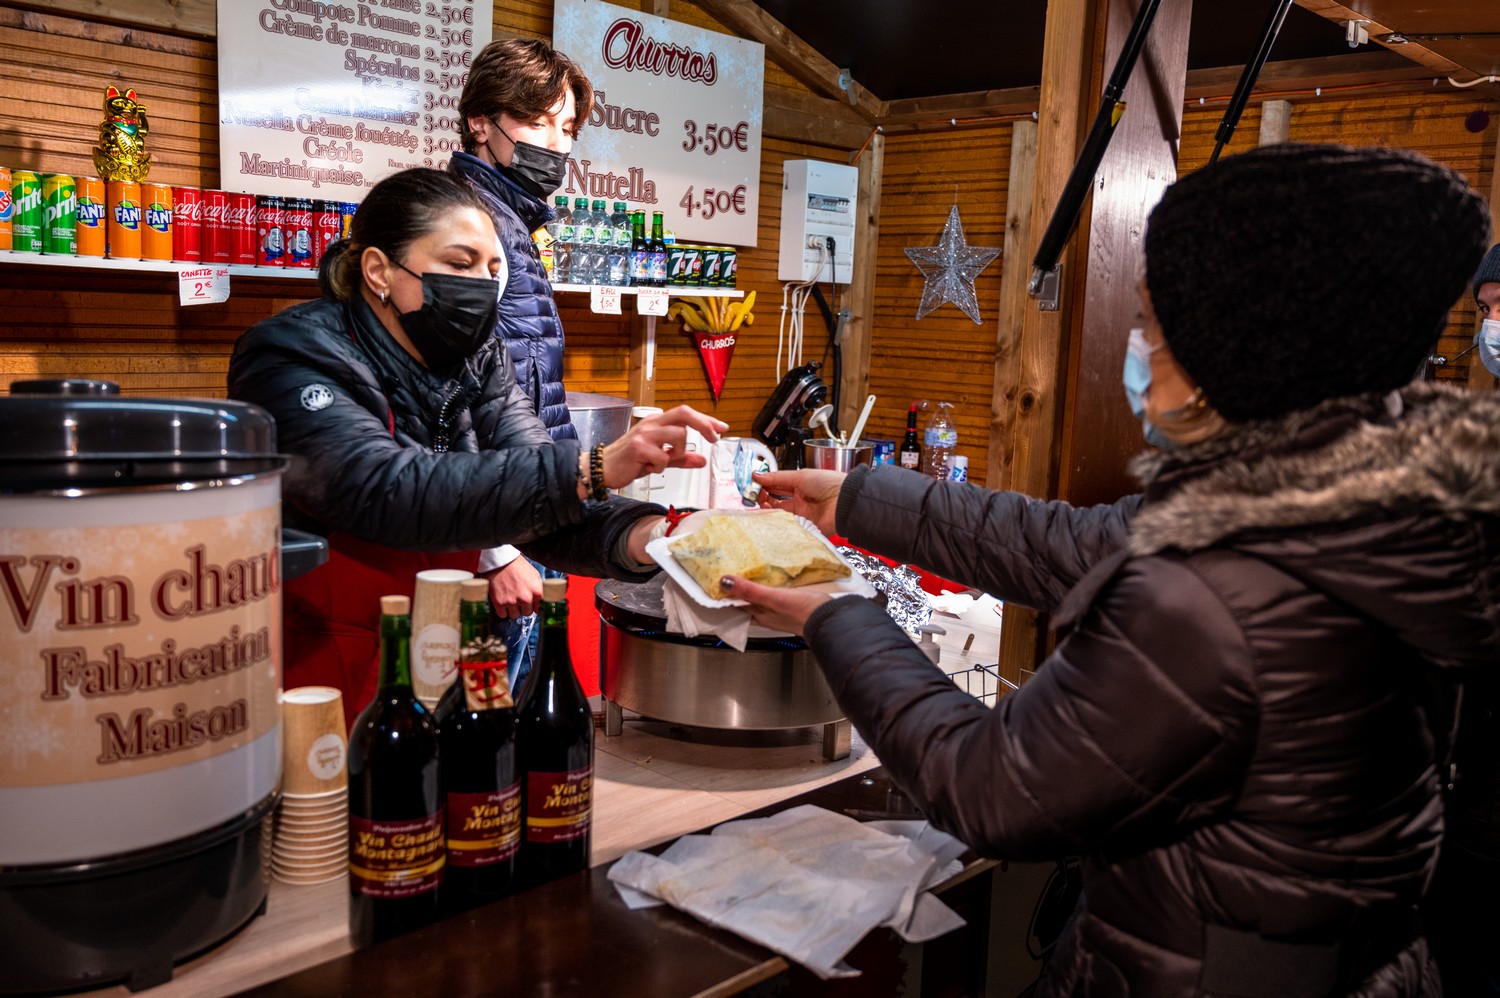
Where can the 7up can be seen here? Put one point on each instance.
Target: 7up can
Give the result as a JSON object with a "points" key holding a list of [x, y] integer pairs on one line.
{"points": [[26, 211], [59, 214]]}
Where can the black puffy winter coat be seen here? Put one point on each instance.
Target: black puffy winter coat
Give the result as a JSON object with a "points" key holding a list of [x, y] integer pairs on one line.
{"points": [[1238, 729], [529, 324]]}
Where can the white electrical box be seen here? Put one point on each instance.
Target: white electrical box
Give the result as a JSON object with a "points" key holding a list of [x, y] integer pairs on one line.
{"points": [[817, 204]]}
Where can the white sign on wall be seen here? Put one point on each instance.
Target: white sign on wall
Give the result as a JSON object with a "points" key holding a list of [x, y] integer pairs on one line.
{"points": [[322, 98], [676, 123]]}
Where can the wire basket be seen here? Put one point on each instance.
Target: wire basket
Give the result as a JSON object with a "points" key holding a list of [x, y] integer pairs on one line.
{"points": [[982, 682]]}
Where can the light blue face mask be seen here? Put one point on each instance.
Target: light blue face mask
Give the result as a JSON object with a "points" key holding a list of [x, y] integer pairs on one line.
{"points": [[1488, 342], [1137, 381]]}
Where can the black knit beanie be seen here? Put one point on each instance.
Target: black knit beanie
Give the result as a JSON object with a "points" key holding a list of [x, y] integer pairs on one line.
{"points": [[1296, 273], [1489, 269]]}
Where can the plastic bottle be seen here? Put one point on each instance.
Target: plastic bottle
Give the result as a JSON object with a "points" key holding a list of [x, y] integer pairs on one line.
{"points": [[939, 441], [603, 236], [583, 243], [619, 247], [562, 250]]}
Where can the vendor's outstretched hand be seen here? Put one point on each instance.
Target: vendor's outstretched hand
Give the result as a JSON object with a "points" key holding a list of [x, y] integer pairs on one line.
{"points": [[775, 607], [656, 443], [810, 494]]}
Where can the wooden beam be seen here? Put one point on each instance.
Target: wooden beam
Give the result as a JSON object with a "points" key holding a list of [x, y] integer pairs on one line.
{"points": [[858, 334], [1436, 63], [1015, 271], [978, 104], [1275, 122], [643, 388], [801, 117], [791, 53], [1327, 72], [1069, 92], [196, 18]]}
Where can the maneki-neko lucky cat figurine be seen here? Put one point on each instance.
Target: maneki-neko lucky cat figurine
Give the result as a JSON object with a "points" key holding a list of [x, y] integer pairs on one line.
{"points": [[121, 153]]}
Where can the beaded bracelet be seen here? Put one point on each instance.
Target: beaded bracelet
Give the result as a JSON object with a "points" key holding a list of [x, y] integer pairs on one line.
{"points": [[598, 491]]}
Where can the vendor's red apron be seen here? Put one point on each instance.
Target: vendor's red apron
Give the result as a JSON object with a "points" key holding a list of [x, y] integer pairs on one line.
{"points": [[331, 615]]}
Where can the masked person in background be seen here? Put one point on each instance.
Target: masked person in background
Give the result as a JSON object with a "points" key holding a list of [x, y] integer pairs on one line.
{"points": [[412, 446], [1243, 728], [521, 110]]}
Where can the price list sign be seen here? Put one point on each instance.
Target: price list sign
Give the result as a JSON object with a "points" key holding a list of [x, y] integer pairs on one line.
{"points": [[676, 123], [323, 98]]}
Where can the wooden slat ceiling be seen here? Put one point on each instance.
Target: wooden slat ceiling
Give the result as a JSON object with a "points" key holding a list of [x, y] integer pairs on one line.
{"points": [[905, 50]]}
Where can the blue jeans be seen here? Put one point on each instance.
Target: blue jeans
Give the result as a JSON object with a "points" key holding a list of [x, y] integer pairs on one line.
{"points": [[521, 636]]}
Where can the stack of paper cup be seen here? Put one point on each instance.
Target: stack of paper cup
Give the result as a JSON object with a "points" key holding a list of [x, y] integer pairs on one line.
{"points": [[434, 632], [311, 844]]}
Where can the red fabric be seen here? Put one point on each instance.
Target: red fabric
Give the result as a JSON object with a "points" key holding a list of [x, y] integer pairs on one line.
{"points": [[583, 632], [331, 615]]}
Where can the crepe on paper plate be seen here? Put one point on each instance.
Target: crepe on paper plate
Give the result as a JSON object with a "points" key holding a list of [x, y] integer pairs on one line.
{"points": [[773, 544]]}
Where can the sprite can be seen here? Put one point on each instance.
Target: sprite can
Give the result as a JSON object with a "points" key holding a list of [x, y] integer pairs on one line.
{"points": [[26, 211], [59, 214]]}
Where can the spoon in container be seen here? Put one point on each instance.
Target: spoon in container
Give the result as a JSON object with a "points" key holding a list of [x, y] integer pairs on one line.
{"points": [[819, 421], [859, 426]]}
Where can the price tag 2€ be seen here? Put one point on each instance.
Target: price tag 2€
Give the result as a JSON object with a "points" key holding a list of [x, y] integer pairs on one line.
{"points": [[202, 285], [651, 301], [604, 300]]}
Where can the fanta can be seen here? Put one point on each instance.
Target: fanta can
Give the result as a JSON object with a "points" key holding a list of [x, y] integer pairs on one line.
{"points": [[91, 215], [123, 232], [156, 232]]}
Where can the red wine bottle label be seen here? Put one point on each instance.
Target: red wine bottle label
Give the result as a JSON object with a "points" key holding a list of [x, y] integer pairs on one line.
{"points": [[484, 829], [396, 859], [559, 806]]}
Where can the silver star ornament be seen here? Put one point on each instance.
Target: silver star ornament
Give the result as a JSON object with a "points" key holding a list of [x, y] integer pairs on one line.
{"points": [[949, 269]]}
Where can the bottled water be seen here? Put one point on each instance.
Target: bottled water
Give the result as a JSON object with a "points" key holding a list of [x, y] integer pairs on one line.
{"points": [[619, 249], [562, 250], [939, 442], [583, 245]]}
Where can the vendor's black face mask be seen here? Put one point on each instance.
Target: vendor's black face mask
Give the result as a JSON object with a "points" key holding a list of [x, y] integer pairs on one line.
{"points": [[456, 318], [536, 168]]}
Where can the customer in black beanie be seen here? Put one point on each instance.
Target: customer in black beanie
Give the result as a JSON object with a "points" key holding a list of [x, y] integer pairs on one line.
{"points": [[1243, 727]]}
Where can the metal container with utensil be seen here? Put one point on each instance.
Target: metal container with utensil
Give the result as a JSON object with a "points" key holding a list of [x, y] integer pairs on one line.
{"points": [[599, 419], [829, 455]]}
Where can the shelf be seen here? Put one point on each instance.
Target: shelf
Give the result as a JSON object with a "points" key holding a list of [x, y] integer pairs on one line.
{"points": [[150, 266], [672, 291]]}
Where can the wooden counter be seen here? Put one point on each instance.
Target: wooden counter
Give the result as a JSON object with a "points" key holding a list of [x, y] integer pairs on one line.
{"points": [[653, 783]]}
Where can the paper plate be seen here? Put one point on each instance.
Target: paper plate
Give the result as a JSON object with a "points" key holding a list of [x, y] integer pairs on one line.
{"points": [[853, 585]]}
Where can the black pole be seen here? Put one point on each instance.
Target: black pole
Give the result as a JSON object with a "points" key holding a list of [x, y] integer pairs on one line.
{"points": [[1248, 77], [1065, 215]]}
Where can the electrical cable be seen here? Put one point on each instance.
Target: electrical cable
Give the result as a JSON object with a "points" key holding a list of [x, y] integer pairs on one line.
{"points": [[799, 291]]}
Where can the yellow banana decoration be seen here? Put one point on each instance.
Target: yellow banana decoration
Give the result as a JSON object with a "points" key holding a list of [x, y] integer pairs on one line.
{"points": [[710, 314]]}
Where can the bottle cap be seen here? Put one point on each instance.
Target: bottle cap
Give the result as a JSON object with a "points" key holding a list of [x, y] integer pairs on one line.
{"points": [[474, 590], [395, 606], [554, 590]]}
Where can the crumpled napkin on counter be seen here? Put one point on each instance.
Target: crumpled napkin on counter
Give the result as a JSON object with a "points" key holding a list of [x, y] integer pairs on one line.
{"points": [[685, 615], [806, 883]]}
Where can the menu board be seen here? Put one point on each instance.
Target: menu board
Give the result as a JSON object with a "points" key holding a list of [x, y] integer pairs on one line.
{"points": [[677, 117], [322, 98]]}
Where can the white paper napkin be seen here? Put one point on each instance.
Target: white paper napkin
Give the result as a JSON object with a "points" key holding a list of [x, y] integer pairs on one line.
{"points": [[730, 624], [806, 883]]}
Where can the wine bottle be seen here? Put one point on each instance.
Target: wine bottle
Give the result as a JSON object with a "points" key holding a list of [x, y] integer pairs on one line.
{"points": [[911, 447], [656, 255], [396, 853], [555, 745], [480, 781]]}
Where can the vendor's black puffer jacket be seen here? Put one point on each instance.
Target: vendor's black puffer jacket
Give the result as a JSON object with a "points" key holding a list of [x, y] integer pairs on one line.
{"points": [[1239, 730], [389, 452]]}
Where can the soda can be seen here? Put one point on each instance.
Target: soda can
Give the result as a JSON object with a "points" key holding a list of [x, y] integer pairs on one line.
{"points": [[676, 265], [187, 225], [729, 265], [958, 468], [217, 240], [59, 214], [270, 238], [328, 219], [692, 265], [709, 274], [156, 232], [6, 203], [27, 215], [296, 229], [92, 213], [245, 244], [346, 217], [123, 231]]}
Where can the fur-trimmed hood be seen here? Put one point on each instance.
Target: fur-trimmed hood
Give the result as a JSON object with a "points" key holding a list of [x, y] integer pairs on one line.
{"points": [[1389, 503]]}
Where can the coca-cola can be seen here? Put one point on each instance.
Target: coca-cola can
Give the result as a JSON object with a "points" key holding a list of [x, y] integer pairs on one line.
{"points": [[187, 225], [245, 239], [327, 224], [270, 231], [297, 233], [217, 240]]}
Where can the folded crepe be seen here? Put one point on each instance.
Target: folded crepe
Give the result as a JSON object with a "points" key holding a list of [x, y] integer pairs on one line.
{"points": [[769, 547]]}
